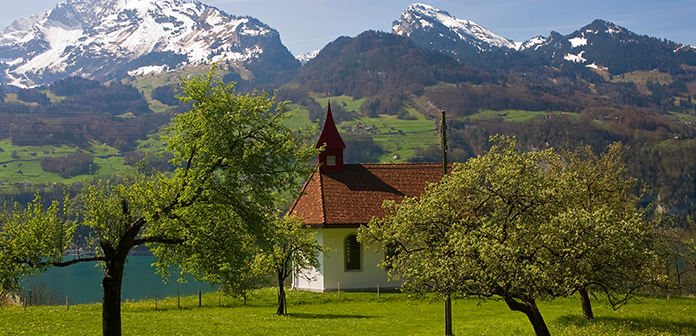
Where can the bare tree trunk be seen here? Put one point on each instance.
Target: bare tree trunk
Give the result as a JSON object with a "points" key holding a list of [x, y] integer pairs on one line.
{"points": [[586, 305], [529, 308], [111, 301], [448, 315], [281, 296]]}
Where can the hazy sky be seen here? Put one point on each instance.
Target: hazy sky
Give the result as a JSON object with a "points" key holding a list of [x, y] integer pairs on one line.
{"points": [[307, 25]]}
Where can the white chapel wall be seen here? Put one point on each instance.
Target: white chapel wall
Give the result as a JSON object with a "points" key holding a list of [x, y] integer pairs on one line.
{"points": [[367, 278], [317, 284]]}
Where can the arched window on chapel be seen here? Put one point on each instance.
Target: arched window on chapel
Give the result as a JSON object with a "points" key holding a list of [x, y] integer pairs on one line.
{"points": [[352, 253]]}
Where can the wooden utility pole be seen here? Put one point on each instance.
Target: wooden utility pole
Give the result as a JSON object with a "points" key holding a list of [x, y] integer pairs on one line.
{"points": [[443, 144]]}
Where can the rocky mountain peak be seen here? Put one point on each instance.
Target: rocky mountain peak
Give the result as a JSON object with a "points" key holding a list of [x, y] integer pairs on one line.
{"points": [[106, 39], [424, 19]]}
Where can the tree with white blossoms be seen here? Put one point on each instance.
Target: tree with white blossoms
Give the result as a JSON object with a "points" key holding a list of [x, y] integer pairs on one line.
{"points": [[511, 225]]}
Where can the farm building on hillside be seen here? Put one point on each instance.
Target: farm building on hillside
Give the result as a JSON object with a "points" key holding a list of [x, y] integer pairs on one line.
{"points": [[338, 198]]}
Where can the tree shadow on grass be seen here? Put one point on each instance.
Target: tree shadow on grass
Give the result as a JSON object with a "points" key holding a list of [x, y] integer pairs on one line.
{"points": [[633, 324], [327, 316]]}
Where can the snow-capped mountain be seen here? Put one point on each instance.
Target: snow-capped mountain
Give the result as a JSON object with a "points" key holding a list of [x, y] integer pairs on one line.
{"points": [[105, 39], [308, 56], [533, 43], [605, 45], [436, 29]]}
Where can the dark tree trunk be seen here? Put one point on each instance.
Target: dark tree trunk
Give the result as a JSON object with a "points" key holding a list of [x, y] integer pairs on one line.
{"points": [[448, 315], [115, 260], [111, 301], [281, 296], [586, 305], [529, 308]]}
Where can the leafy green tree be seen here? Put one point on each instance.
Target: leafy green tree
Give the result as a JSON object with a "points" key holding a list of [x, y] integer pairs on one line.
{"points": [[603, 238], [242, 281], [235, 156], [474, 232], [290, 248], [30, 238], [512, 225]]}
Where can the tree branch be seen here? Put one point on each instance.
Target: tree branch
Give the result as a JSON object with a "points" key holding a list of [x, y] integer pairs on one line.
{"points": [[161, 240], [75, 261], [59, 264]]}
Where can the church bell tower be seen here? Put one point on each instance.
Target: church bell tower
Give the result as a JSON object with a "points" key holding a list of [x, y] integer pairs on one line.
{"points": [[331, 159]]}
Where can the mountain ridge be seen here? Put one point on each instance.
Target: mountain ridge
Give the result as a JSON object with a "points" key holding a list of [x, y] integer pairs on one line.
{"points": [[77, 36]]}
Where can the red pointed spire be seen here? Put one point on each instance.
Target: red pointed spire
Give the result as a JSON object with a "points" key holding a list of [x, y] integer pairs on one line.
{"points": [[329, 134], [331, 159]]}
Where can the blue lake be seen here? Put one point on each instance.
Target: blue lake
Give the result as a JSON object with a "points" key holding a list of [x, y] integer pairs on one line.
{"points": [[82, 282]]}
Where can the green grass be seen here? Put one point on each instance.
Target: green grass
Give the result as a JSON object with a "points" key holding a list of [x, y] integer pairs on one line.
{"points": [[300, 119], [638, 77], [420, 132], [352, 314], [145, 84], [12, 98], [351, 103], [54, 99], [683, 117], [154, 143], [513, 115], [642, 77], [31, 166], [157, 107]]}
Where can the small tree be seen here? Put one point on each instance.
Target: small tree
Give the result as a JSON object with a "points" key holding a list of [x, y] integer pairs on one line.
{"points": [[289, 248], [30, 239]]}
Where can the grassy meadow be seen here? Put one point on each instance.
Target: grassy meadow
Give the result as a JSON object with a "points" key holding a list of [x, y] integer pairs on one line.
{"points": [[638, 76], [28, 162], [395, 136], [300, 119], [515, 115], [106, 161], [352, 314]]}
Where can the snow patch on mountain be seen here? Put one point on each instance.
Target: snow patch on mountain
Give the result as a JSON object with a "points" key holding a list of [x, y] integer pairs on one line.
{"points": [[597, 67], [308, 56], [612, 30], [535, 42], [96, 38], [578, 41], [150, 69], [420, 16], [575, 58], [59, 38], [684, 47]]}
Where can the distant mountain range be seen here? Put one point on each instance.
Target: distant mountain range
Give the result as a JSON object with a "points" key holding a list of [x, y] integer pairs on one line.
{"points": [[108, 39], [113, 39], [599, 45]]}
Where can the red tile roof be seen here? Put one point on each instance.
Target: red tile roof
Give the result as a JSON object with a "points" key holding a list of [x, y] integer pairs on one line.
{"points": [[352, 197]]}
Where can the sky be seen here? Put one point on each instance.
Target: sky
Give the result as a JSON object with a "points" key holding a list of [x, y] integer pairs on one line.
{"points": [[307, 25]]}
